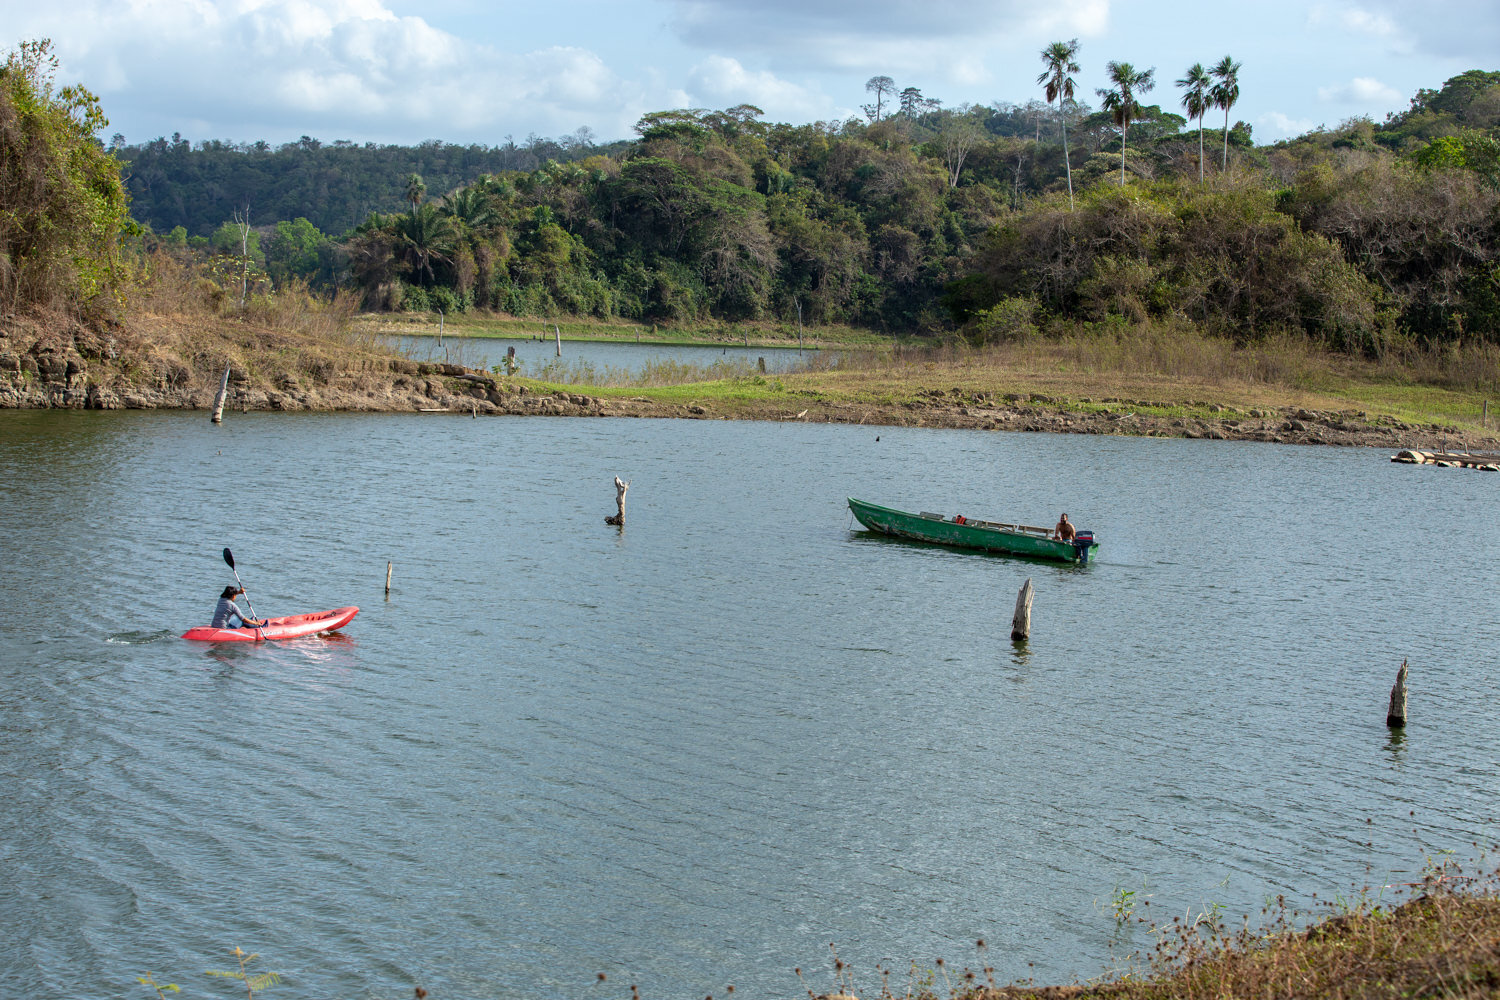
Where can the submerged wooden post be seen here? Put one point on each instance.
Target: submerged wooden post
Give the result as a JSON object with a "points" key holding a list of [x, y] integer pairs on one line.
{"points": [[1395, 716], [620, 488], [387, 579], [558, 334], [223, 394], [1020, 625]]}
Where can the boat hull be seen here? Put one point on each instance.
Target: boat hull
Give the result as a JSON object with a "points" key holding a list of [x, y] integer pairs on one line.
{"points": [[290, 627], [983, 536]]}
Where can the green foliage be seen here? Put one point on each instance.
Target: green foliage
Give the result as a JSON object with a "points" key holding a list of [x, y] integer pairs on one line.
{"points": [[298, 250], [1425, 237], [229, 241], [921, 218], [62, 206], [173, 182], [1011, 320], [1469, 149], [161, 989], [255, 982], [1226, 259], [414, 298]]}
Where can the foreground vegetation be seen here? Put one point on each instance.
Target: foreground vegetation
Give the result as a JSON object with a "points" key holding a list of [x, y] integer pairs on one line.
{"points": [[1438, 938]]}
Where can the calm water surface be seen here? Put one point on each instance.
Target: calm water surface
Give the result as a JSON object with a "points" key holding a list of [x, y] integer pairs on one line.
{"points": [[696, 752], [620, 358]]}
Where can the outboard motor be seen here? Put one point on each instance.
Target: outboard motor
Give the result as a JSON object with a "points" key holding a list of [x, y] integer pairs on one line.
{"points": [[1082, 542]]}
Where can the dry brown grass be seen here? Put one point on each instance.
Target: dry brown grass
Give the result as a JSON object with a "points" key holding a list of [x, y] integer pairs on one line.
{"points": [[1178, 367], [1441, 940], [179, 314]]}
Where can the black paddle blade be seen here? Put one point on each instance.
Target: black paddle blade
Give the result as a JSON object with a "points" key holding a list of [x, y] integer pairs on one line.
{"points": [[229, 558]]}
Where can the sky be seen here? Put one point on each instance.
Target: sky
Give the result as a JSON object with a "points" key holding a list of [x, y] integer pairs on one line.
{"points": [[469, 71]]}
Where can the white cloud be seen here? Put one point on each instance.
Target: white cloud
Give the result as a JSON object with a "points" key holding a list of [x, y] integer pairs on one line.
{"points": [[1274, 125], [1451, 29], [1357, 20], [319, 67], [1361, 90], [948, 38], [720, 81]]}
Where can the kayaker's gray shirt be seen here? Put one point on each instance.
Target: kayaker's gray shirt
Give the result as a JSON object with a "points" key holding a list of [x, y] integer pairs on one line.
{"points": [[227, 609]]}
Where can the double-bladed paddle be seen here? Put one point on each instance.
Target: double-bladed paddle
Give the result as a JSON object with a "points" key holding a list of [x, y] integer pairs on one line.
{"points": [[229, 558]]}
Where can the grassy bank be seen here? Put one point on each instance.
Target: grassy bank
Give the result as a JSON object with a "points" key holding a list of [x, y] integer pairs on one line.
{"points": [[1160, 374]]}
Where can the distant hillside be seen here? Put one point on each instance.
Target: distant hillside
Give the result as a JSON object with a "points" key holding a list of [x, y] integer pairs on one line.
{"points": [[173, 182], [1368, 237]]}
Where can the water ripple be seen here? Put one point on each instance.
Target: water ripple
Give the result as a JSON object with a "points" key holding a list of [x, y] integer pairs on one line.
{"points": [[699, 750]]}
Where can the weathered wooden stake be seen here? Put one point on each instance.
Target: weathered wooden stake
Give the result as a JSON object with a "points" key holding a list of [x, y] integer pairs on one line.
{"points": [[1395, 716], [620, 488], [387, 579], [1020, 625], [1484, 414], [558, 334], [218, 416]]}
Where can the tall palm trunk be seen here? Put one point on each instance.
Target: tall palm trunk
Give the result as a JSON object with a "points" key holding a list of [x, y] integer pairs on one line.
{"points": [[1225, 164], [1067, 165], [1200, 149]]}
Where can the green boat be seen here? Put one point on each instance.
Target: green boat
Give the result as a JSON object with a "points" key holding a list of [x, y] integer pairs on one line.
{"points": [[973, 533]]}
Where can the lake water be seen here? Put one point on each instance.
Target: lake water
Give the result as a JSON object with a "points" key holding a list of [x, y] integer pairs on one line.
{"points": [[620, 358], [697, 751]]}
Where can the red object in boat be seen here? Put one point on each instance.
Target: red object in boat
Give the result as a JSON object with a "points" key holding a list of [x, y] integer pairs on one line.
{"points": [[276, 628]]}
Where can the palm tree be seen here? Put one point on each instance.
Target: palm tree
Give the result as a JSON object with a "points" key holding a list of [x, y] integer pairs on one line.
{"points": [[1121, 103], [423, 238], [1196, 86], [415, 189], [1059, 58], [470, 205], [1224, 95]]}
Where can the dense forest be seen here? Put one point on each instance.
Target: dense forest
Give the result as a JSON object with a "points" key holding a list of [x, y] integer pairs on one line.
{"points": [[335, 186], [1001, 222], [916, 218]]}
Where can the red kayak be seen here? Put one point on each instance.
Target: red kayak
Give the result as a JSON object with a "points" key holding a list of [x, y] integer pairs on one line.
{"points": [[276, 628]]}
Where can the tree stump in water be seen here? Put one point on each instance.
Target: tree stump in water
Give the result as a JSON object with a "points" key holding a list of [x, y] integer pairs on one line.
{"points": [[218, 416], [1020, 625], [1395, 716], [620, 488]]}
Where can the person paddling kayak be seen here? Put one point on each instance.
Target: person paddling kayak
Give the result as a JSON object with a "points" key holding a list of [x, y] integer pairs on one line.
{"points": [[227, 609]]}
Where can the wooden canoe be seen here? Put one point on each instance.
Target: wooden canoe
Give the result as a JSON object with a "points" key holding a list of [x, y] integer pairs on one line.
{"points": [[973, 533]]}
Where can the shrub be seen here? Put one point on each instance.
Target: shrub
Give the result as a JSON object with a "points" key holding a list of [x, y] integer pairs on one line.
{"points": [[414, 298], [63, 204], [1010, 320]]}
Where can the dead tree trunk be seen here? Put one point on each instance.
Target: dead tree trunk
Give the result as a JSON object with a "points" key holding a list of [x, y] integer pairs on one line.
{"points": [[1020, 625], [223, 394], [1395, 716], [620, 488]]}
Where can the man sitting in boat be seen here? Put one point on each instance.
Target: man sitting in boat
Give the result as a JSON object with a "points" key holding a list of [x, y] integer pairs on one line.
{"points": [[1064, 531], [227, 609]]}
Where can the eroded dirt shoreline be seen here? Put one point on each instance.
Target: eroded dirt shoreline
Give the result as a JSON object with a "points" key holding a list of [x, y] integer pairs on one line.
{"points": [[58, 381]]}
